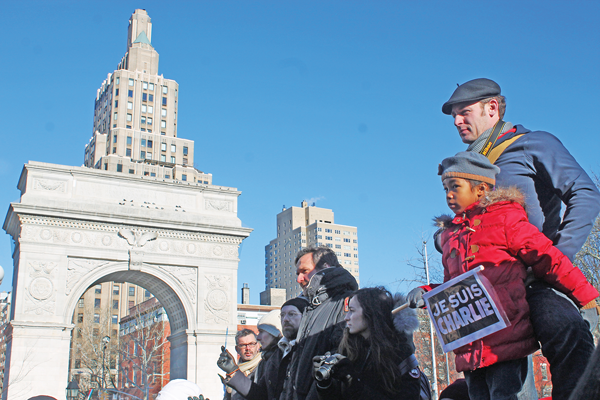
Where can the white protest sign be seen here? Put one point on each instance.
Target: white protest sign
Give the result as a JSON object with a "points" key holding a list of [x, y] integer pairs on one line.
{"points": [[465, 309]]}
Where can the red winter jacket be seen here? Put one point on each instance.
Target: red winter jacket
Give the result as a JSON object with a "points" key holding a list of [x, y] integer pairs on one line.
{"points": [[495, 233]]}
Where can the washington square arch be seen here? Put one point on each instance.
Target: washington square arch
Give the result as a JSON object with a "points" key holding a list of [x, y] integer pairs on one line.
{"points": [[75, 227]]}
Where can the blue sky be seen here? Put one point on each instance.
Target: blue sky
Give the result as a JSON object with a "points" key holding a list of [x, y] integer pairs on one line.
{"points": [[328, 100]]}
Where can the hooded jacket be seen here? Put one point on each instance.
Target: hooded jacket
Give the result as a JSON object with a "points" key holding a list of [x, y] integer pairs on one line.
{"points": [[495, 233], [321, 328], [543, 169]]}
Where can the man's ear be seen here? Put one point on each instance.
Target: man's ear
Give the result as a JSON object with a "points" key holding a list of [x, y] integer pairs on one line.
{"points": [[492, 107]]}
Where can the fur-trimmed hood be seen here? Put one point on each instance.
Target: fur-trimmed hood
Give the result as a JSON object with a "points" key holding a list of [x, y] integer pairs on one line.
{"points": [[405, 321], [492, 197]]}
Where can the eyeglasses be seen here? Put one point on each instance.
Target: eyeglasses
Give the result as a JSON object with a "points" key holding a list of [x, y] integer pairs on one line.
{"points": [[241, 346], [291, 314]]}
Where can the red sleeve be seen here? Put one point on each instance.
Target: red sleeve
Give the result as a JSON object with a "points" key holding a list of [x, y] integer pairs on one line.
{"points": [[534, 249]]}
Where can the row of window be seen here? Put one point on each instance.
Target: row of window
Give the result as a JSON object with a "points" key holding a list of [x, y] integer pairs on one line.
{"points": [[145, 85]]}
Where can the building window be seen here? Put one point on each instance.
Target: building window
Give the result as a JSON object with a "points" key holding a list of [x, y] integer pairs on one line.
{"points": [[129, 118], [173, 148], [173, 159], [347, 255], [116, 92], [128, 154], [132, 291], [165, 90], [151, 86], [150, 109], [185, 150], [149, 144], [98, 289], [97, 303], [164, 103], [97, 318], [143, 142], [338, 246], [163, 112], [145, 85], [163, 158], [144, 96], [129, 140], [130, 82], [129, 106], [115, 115], [163, 124], [328, 237], [115, 304], [130, 93], [80, 318], [144, 108], [80, 303], [143, 155], [147, 292], [149, 121], [115, 319], [354, 241], [118, 80], [143, 120], [346, 240], [183, 177], [119, 167], [115, 138], [131, 171], [163, 146]]}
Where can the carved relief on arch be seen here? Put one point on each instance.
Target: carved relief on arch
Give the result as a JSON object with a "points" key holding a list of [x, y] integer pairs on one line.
{"points": [[40, 296], [187, 277], [77, 268], [217, 300]]}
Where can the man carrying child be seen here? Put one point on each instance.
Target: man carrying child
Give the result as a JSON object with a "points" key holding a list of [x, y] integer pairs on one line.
{"points": [[491, 228]]}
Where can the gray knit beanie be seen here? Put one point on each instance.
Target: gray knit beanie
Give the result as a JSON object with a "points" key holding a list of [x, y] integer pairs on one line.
{"points": [[469, 165], [271, 323]]}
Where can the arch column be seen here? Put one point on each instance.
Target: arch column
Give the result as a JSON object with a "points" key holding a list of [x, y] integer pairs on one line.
{"points": [[31, 350]]}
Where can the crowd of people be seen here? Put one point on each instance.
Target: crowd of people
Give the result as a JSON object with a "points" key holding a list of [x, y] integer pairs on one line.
{"points": [[505, 193]]}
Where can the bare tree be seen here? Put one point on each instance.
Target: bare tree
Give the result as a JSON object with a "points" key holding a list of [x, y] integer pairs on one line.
{"points": [[143, 348], [95, 355], [588, 258]]}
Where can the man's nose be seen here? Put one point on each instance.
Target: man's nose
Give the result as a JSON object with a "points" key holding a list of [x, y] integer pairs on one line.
{"points": [[458, 120], [299, 278]]}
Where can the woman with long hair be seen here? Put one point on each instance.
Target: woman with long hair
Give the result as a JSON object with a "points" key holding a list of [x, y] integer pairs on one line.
{"points": [[375, 359]]}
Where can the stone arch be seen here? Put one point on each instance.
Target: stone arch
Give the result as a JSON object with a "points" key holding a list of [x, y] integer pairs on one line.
{"points": [[174, 298]]}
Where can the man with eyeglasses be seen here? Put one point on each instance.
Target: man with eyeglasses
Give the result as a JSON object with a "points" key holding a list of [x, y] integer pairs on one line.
{"points": [[247, 347], [270, 385]]}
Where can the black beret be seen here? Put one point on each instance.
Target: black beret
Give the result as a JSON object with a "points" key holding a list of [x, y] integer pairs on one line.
{"points": [[472, 91]]}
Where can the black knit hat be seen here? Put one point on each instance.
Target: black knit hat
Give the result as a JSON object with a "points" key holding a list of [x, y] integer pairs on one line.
{"points": [[469, 165], [299, 302], [472, 92]]}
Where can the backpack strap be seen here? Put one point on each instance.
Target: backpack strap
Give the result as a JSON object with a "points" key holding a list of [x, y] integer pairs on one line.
{"points": [[498, 150], [408, 364]]}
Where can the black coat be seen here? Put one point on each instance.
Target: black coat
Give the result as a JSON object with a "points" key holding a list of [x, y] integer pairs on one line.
{"points": [[270, 384], [321, 329]]}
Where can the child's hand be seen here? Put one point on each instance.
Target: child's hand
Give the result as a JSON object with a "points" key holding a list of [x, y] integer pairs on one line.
{"points": [[414, 298]]}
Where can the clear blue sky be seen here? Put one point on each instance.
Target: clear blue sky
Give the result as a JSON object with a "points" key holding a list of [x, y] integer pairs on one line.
{"points": [[291, 100]]}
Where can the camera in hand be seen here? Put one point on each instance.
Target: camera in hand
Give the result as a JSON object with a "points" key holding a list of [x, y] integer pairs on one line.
{"points": [[326, 368]]}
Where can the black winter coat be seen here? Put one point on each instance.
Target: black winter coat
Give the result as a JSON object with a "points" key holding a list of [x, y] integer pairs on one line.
{"points": [[321, 329]]}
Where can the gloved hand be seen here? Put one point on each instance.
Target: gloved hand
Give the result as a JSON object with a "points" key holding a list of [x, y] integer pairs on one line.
{"points": [[226, 361], [197, 398], [415, 298]]}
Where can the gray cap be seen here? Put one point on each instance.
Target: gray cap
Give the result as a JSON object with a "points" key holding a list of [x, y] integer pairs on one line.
{"points": [[469, 165], [472, 92]]}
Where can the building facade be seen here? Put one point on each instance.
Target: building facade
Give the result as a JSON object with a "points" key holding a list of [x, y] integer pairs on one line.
{"points": [[144, 356], [5, 298], [135, 116], [305, 226], [97, 315]]}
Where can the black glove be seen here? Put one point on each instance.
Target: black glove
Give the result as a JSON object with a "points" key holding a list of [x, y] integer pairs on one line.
{"points": [[415, 298], [226, 361], [197, 398]]}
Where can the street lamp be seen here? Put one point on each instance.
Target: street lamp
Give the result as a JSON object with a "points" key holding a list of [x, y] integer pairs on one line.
{"points": [[105, 341], [72, 390]]}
